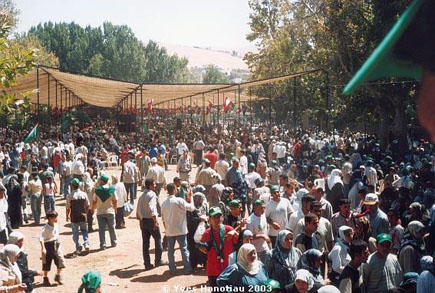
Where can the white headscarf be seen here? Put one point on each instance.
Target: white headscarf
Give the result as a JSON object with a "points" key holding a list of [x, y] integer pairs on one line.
{"points": [[9, 252], [328, 289], [305, 276], [242, 259], [334, 178], [15, 236], [343, 231]]}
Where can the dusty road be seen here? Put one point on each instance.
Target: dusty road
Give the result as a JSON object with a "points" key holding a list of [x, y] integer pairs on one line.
{"points": [[121, 267]]}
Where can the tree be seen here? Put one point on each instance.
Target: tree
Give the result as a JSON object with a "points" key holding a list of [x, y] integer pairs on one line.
{"points": [[213, 75], [110, 51], [335, 36]]}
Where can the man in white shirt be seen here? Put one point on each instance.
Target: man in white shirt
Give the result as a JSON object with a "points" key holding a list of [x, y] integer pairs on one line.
{"points": [[198, 148], [146, 213], [157, 173], [250, 180], [346, 170], [372, 175], [222, 166], [130, 175], [278, 211], [175, 221], [181, 147], [257, 224], [78, 167], [243, 163]]}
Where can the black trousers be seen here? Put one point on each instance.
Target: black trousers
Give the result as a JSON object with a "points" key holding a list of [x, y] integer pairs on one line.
{"points": [[147, 227]]}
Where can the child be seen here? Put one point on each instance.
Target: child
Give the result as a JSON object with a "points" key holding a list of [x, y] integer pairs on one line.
{"points": [[49, 189], [50, 248]]}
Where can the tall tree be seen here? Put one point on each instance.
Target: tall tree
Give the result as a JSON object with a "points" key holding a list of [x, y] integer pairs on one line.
{"points": [[213, 75]]}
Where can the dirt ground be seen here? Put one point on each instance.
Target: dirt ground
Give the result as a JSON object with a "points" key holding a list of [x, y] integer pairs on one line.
{"points": [[121, 267]]}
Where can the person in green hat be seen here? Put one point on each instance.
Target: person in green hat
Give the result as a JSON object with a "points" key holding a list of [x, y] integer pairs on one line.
{"points": [[278, 212], [104, 201], [218, 243], [382, 271], [91, 283], [257, 223], [77, 205], [234, 218], [272, 286]]}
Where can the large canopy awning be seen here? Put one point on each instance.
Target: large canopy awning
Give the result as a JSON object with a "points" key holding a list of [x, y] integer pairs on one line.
{"points": [[64, 89]]}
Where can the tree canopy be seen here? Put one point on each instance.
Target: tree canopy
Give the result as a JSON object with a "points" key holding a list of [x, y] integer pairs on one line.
{"points": [[111, 51], [335, 36], [213, 75]]}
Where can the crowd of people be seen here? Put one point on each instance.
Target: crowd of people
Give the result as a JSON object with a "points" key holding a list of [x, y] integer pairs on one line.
{"points": [[268, 209]]}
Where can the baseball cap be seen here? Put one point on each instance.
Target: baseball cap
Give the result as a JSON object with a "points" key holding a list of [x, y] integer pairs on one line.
{"points": [[272, 284], [214, 211], [153, 160], [251, 165], [371, 199], [75, 182], [234, 203], [274, 188], [258, 202], [104, 178], [383, 237]]}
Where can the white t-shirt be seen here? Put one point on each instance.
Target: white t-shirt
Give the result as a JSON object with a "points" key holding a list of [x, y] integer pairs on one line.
{"points": [[250, 179], [278, 212], [258, 225], [181, 147]]}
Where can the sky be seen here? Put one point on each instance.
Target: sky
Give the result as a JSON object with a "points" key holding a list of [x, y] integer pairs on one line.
{"points": [[219, 24]]}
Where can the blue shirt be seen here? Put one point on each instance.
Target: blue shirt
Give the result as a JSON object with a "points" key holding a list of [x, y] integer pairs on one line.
{"points": [[234, 275]]}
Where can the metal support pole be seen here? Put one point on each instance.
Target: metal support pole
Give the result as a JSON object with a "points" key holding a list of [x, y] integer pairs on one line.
{"points": [[327, 100], [270, 104], [61, 98], [141, 105], [191, 112], [240, 109], [38, 89], [218, 110], [203, 109], [294, 101], [48, 97], [250, 104]]}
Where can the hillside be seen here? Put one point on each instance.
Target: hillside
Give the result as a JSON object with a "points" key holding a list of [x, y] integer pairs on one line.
{"points": [[200, 57]]}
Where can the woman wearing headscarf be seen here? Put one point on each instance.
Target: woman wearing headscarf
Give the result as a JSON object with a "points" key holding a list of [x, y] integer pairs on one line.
{"points": [[334, 189], [412, 248], [245, 236], [248, 272], [303, 283], [193, 220], [339, 254], [282, 260], [311, 260], [17, 238], [10, 273], [91, 283]]}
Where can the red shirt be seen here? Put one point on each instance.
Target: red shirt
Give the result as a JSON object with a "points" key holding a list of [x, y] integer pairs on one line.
{"points": [[214, 266], [212, 157]]}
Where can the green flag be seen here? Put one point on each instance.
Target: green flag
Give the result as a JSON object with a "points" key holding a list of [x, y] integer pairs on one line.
{"points": [[33, 135]]}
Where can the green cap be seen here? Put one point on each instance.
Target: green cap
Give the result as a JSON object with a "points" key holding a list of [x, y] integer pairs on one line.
{"points": [[272, 284], [274, 188], [214, 211], [274, 162], [331, 167], [234, 203], [258, 202], [382, 62], [104, 178], [205, 160], [383, 237], [251, 165], [75, 182]]}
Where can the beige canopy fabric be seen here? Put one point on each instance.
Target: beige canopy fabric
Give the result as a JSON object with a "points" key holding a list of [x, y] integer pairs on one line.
{"points": [[72, 89]]}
